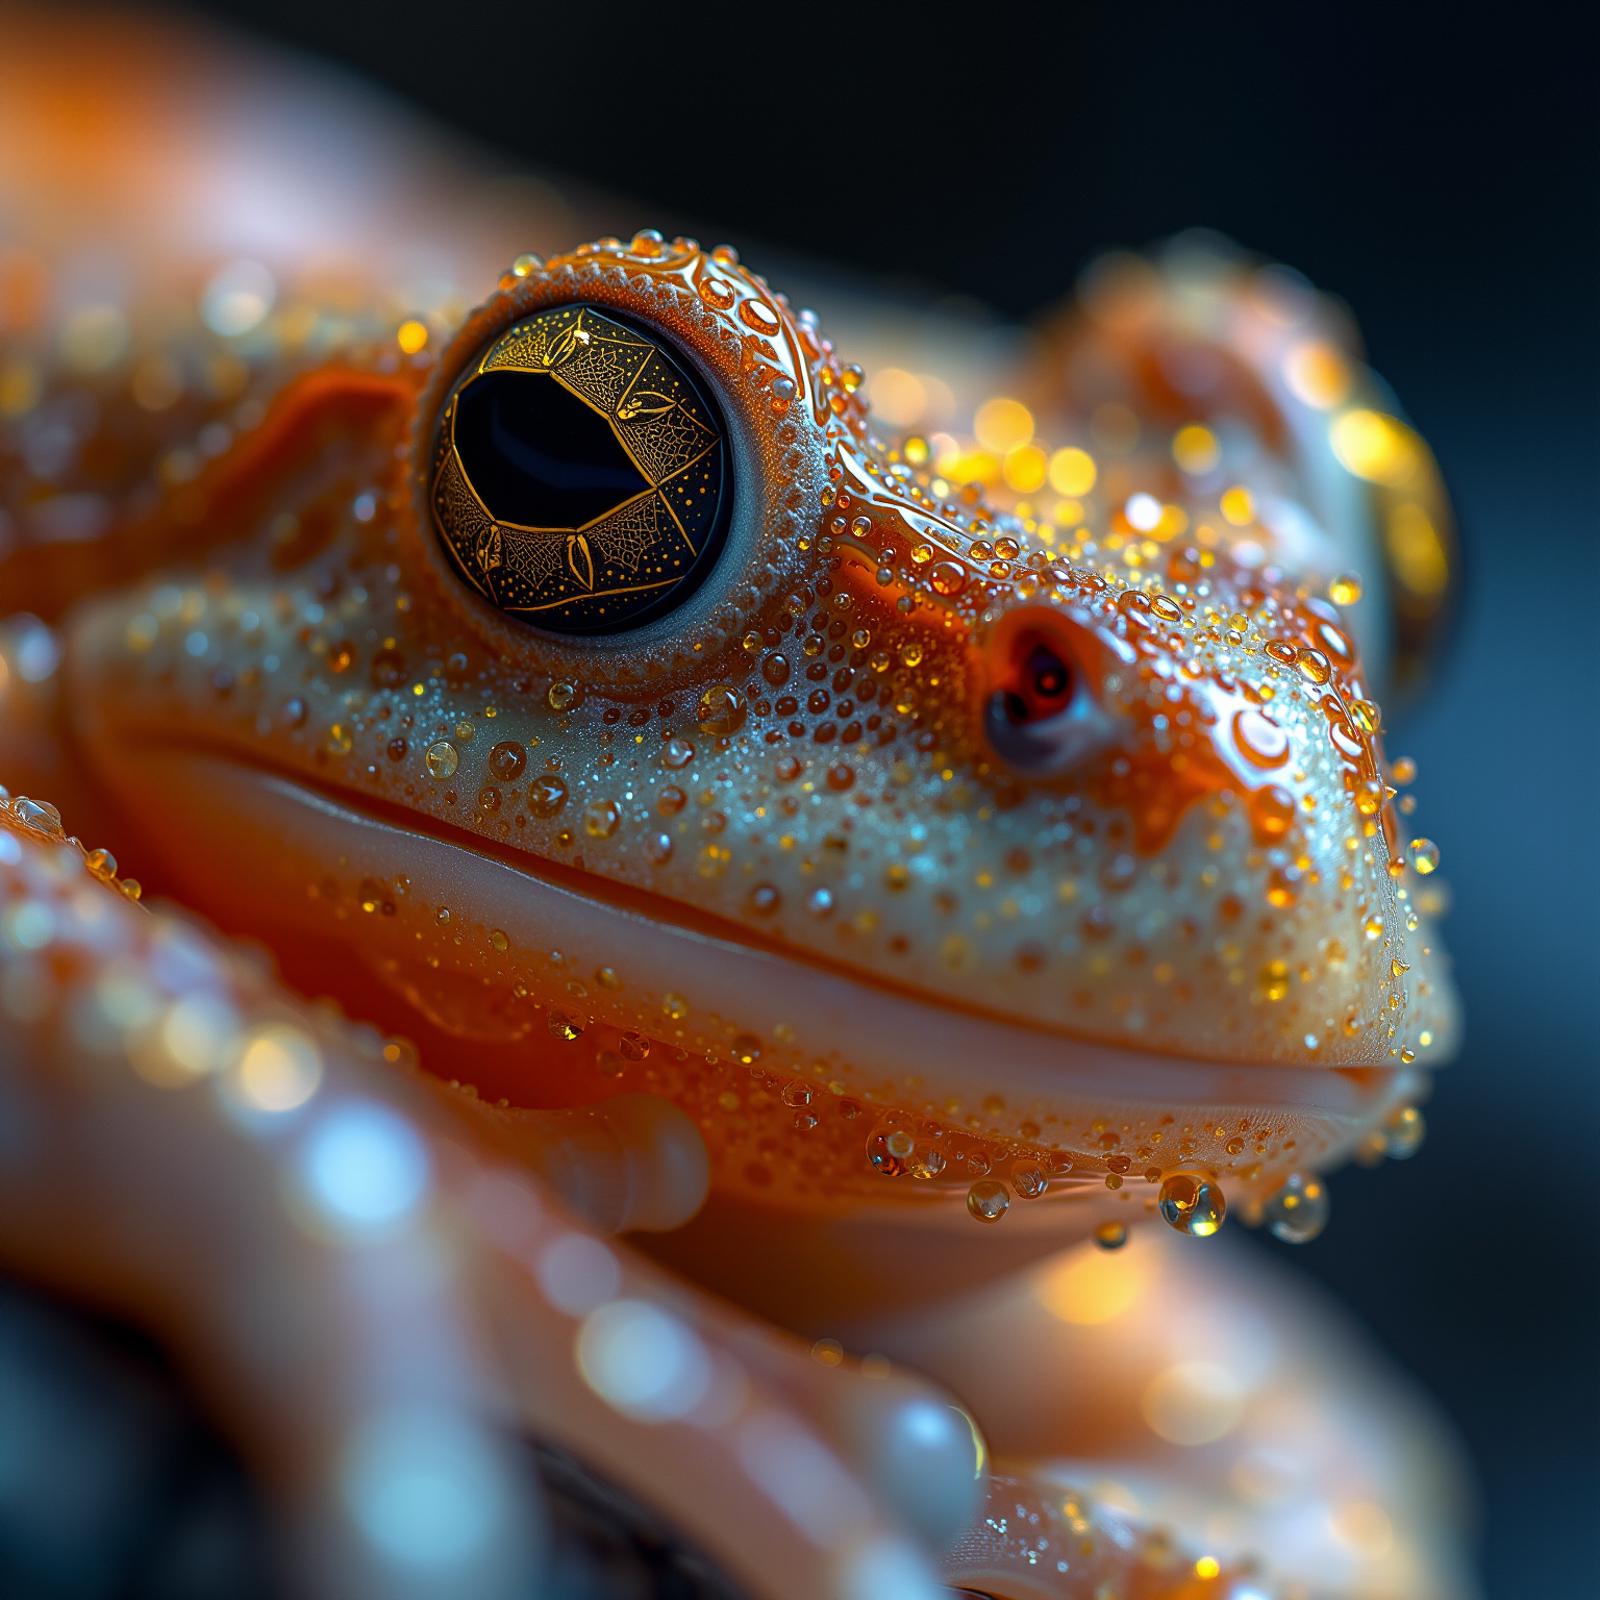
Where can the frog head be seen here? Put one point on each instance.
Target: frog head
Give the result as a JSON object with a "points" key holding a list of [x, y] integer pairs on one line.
{"points": [[618, 706]]}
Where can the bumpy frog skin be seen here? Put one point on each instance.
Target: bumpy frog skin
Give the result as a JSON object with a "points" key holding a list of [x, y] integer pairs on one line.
{"points": [[995, 853]]}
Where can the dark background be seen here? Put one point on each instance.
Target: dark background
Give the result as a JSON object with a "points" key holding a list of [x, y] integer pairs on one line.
{"points": [[1437, 168]]}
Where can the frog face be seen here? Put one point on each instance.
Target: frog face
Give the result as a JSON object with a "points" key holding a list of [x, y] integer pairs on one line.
{"points": [[626, 684]]}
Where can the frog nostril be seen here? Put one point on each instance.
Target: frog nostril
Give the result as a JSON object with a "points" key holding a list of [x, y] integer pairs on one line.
{"points": [[1039, 716]]}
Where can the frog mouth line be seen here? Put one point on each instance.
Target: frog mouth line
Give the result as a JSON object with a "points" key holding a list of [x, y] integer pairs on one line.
{"points": [[900, 1034]]}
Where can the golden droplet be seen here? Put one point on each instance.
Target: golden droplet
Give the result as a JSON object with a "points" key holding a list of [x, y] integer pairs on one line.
{"points": [[563, 1027], [721, 710], [1313, 665], [1403, 1133], [101, 863], [600, 818], [441, 759], [1424, 856], [1345, 590], [1192, 1204]]}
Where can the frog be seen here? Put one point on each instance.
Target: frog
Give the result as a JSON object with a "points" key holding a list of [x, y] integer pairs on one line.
{"points": [[631, 789]]}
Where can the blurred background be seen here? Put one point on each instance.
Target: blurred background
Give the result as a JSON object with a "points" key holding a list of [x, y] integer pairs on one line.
{"points": [[1439, 174]]}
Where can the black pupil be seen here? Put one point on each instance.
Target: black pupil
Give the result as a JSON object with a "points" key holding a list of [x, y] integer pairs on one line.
{"points": [[539, 455]]}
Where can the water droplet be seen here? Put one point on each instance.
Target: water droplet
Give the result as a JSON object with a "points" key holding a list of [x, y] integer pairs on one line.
{"points": [[746, 1049], [37, 816], [547, 794], [1298, 1211], [1366, 715], [883, 1158], [677, 753], [1111, 1235], [507, 760], [1271, 813], [563, 696], [563, 1027], [1192, 1204], [1345, 590], [1403, 1133], [441, 759], [1424, 856], [987, 1200], [1313, 665], [1029, 1178], [600, 818], [721, 710]]}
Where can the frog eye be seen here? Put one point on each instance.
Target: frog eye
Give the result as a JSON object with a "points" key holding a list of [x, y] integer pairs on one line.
{"points": [[582, 477]]}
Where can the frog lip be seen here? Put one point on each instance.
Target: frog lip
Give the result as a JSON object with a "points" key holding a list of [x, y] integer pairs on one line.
{"points": [[746, 981]]}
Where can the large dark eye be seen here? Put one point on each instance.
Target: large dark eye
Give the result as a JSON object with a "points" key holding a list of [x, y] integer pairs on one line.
{"points": [[581, 474]]}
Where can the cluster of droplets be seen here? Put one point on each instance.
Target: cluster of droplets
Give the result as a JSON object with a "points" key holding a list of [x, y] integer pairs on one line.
{"points": [[42, 818]]}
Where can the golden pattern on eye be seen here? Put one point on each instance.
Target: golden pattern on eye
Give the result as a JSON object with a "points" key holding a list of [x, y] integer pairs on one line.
{"points": [[580, 477]]}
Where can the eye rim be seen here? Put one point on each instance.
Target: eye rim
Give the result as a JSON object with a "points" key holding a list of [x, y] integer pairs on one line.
{"points": [[737, 338]]}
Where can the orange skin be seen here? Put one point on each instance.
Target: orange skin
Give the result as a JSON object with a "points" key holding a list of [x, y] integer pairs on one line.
{"points": [[774, 890]]}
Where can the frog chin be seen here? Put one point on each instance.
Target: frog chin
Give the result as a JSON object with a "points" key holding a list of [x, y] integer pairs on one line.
{"points": [[488, 945]]}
